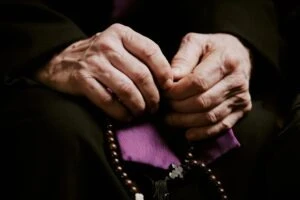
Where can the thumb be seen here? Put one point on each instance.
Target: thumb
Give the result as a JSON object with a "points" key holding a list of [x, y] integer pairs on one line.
{"points": [[187, 57]]}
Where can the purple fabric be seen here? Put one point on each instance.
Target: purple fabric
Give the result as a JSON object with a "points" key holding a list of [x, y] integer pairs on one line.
{"points": [[142, 143], [210, 150]]}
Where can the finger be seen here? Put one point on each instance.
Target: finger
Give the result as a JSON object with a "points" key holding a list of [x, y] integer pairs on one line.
{"points": [[231, 85], [119, 83], [150, 53], [210, 71], [139, 73], [189, 120], [187, 57], [97, 94], [200, 133]]}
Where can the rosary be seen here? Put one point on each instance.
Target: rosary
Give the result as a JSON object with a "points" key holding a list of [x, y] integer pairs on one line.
{"points": [[176, 173]]}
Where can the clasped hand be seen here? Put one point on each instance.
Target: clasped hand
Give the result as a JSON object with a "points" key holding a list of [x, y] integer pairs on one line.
{"points": [[125, 74]]}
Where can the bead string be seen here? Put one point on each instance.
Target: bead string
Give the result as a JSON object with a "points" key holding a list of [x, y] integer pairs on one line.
{"points": [[189, 163]]}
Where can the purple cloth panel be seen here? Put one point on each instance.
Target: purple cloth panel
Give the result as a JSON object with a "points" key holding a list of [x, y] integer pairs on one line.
{"points": [[211, 150], [142, 143]]}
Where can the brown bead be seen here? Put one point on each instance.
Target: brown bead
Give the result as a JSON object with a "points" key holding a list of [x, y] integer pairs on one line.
{"points": [[109, 126], [195, 162], [116, 161], [128, 182], [190, 155], [202, 165], [111, 139], [224, 197], [133, 189], [114, 154], [208, 171], [218, 183], [119, 168], [110, 133], [124, 175], [221, 190], [212, 177], [113, 146]]}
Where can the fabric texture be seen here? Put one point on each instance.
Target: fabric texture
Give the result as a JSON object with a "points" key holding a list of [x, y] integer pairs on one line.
{"points": [[142, 143]]}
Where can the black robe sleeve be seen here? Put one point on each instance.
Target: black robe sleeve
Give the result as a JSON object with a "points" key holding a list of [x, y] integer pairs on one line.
{"points": [[252, 20], [30, 34]]}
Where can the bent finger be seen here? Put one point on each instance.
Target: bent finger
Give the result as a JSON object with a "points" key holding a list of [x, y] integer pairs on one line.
{"points": [[98, 94], [150, 53], [187, 57], [206, 74], [189, 120], [201, 133], [139, 73], [231, 85], [119, 83]]}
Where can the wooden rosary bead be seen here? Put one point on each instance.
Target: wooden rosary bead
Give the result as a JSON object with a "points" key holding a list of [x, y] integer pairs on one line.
{"points": [[123, 175], [112, 146]]}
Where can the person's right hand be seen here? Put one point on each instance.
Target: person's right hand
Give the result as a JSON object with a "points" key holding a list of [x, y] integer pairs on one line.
{"points": [[116, 69]]}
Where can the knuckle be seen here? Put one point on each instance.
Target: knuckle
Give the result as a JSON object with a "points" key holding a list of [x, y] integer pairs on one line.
{"points": [[203, 102], [115, 55], [239, 82], [209, 45], [190, 37], [128, 36], [225, 125], [125, 89], [151, 50], [141, 77], [212, 117], [180, 59], [199, 82], [233, 61], [107, 100], [103, 43], [92, 59], [243, 99], [78, 75], [118, 27]]}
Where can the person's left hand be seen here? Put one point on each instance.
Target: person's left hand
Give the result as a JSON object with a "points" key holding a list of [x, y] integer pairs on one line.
{"points": [[212, 89]]}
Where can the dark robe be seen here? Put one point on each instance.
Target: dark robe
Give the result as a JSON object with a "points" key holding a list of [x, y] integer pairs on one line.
{"points": [[54, 141], [280, 174]]}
